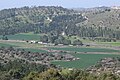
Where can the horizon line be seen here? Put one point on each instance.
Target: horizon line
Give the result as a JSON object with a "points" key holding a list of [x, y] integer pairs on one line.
{"points": [[57, 6]]}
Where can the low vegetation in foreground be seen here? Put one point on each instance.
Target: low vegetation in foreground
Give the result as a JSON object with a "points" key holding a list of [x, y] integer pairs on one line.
{"points": [[53, 74], [25, 65], [21, 70]]}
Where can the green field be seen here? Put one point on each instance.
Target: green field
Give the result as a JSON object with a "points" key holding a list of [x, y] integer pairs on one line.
{"points": [[35, 50], [74, 49], [24, 36], [85, 61], [110, 43], [25, 46], [7, 45]]}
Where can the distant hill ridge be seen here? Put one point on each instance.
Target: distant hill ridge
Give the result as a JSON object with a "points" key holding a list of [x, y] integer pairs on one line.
{"points": [[90, 22], [27, 19], [102, 16], [115, 7]]}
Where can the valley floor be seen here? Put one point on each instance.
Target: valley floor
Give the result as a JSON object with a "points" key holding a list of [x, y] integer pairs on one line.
{"points": [[87, 55]]}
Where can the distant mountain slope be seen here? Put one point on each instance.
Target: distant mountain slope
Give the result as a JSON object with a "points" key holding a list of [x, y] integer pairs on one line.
{"points": [[102, 17], [91, 22], [104, 20], [36, 19], [94, 9]]}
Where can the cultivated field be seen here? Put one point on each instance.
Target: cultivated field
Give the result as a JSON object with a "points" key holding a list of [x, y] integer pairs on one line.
{"points": [[110, 43], [24, 36], [84, 49], [88, 55], [85, 61]]}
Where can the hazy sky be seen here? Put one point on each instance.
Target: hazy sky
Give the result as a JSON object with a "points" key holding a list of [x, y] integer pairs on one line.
{"points": [[65, 3]]}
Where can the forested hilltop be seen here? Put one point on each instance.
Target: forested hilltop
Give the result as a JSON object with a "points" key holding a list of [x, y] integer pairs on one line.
{"points": [[37, 19], [98, 22]]}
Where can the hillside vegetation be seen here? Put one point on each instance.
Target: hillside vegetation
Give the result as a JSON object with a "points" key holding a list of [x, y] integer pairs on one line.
{"points": [[36, 19], [104, 19], [98, 22]]}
